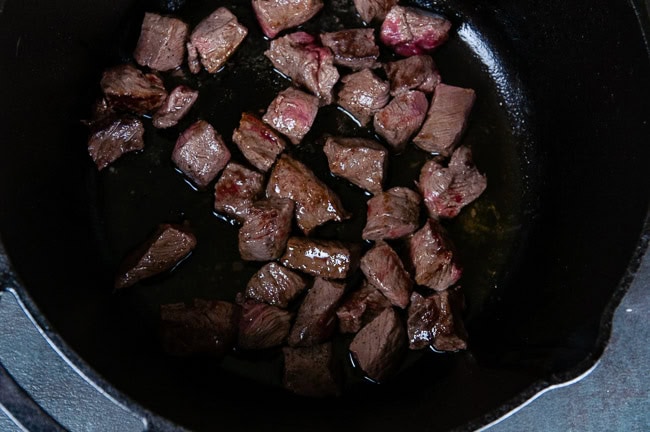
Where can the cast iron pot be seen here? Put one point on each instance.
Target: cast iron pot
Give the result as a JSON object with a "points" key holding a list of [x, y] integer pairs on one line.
{"points": [[560, 128]]}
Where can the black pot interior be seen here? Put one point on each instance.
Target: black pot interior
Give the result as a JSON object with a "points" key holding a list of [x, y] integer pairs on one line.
{"points": [[560, 128]]}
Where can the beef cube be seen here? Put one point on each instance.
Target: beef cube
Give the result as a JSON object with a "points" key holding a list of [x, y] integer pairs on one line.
{"points": [[161, 252], [277, 15], [316, 319], [401, 118], [275, 285], [236, 190], [111, 139], [205, 327], [410, 31], [200, 153], [311, 371], [378, 348], [446, 120], [362, 95], [447, 190], [373, 9], [392, 214], [214, 40], [359, 160], [315, 202], [262, 326], [178, 103], [308, 64], [384, 270], [353, 48], [418, 72], [257, 142], [435, 321], [161, 45], [127, 88], [361, 307], [433, 257], [292, 113], [325, 258], [264, 234]]}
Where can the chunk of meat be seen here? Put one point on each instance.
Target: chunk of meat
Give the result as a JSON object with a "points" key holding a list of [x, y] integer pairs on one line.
{"points": [[277, 15], [446, 120], [362, 95], [292, 113], [161, 45], [316, 319], [401, 118], [276, 285], [325, 258], [315, 202], [257, 142], [436, 321], [433, 257], [236, 190], [358, 160], [111, 139], [311, 371], [177, 104], [418, 72], [353, 48], [392, 214], [214, 40], [126, 88], [374, 9], [308, 64], [361, 307], [384, 270], [161, 252], [200, 153], [410, 31], [264, 234], [262, 326]]}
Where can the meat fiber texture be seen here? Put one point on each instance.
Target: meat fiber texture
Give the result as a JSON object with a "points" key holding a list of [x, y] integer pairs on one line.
{"points": [[360, 307], [127, 88], [418, 72], [110, 140], [292, 113], [353, 48], [176, 106], [384, 270], [264, 234], [411, 31], [311, 371], [370, 10], [359, 160], [257, 142], [392, 214], [324, 258], [276, 285], [262, 326], [277, 15], [161, 45], [398, 121], [363, 94], [236, 190], [435, 321]]}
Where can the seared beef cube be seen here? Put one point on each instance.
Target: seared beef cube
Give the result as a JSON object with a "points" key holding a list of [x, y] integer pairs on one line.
{"points": [[214, 40], [264, 234], [315, 202], [310, 371], [325, 258], [363, 94], [410, 31], [236, 190], [275, 285], [361, 307], [200, 153], [435, 321], [447, 190], [384, 270], [392, 214], [178, 103], [277, 15], [353, 48], [127, 88], [359, 160], [413, 73], [373, 9], [257, 142], [206, 327], [446, 120], [262, 326], [379, 346], [111, 139], [298, 56], [316, 319], [292, 113], [433, 257], [161, 45], [161, 252], [401, 118]]}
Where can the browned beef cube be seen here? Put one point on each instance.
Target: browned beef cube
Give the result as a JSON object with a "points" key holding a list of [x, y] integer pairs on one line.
{"points": [[410, 31], [401, 118], [127, 88], [236, 190], [200, 153], [413, 73], [315, 202], [161, 252], [310, 371], [264, 234], [178, 103], [275, 285], [161, 45], [257, 142], [262, 326], [392, 214], [308, 64], [277, 15], [353, 48], [385, 271], [205, 327], [373, 9], [433, 257], [361, 307], [359, 160], [378, 348], [446, 120], [214, 40], [316, 319], [325, 258], [435, 321], [111, 139], [447, 190], [362, 95], [292, 113]]}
